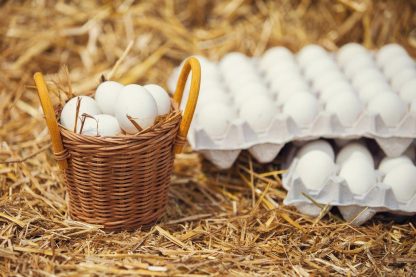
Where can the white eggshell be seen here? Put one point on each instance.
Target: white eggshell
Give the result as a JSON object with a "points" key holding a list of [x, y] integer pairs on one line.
{"points": [[302, 107], [371, 89], [408, 91], [215, 118], [401, 179], [258, 111], [346, 106], [359, 63], [359, 174], [213, 94], [279, 75], [335, 89], [68, 113], [135, 101], [402, 77], [389, 51], [101, 125], [274, 56], [233, 60], [285, 78], [323, 81], [161, 97], [314, 168], [316, 69], [106, 95], [366, 76], [317, 145], [398, 64], [311, 53], [389, 106], [388, 163], [349, 51], [354, 149]]}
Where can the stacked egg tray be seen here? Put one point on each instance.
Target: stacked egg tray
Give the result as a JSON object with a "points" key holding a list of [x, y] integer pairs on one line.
{"points": [[357, 208], [262, 103]]}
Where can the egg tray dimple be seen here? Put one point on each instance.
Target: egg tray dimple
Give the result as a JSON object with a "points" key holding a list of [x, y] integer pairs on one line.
{"points": [[265, 146], [336, 192]]}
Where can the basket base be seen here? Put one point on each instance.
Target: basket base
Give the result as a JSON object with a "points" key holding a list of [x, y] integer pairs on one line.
{"points": [[124, 225]]}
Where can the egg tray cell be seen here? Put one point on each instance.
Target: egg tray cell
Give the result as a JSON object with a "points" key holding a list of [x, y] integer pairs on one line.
{"points": [[265, 146], [336, 192]]}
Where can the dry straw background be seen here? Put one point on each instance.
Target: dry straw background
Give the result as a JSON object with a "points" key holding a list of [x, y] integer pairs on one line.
{"points": [[216, 223]]}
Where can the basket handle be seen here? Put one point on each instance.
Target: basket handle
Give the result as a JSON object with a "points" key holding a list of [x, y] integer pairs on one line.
{"points": [[51, 122], [191, 64]]}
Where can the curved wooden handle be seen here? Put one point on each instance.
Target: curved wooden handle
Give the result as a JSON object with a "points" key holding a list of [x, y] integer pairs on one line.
{"points": [[50, 118], [191, 64]]}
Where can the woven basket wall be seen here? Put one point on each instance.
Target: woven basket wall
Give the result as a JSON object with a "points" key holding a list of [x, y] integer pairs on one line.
{"points": [[121, 182]]}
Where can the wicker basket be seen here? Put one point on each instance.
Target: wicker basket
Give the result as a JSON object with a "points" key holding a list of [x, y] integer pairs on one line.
{"points": [[121, 182]]}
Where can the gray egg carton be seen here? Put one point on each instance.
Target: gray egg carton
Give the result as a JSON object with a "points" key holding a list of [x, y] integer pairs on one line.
{"points": [[355, 208], [264, 147]]}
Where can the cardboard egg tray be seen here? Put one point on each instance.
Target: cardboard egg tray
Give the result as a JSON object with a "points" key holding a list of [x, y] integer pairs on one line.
{"points": [[335, 192], [265, 146]]}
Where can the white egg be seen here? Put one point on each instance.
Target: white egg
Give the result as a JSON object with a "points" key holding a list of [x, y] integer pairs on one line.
{"points": [[317, 145], [232, 61], [249, 90], [366, 76], [326, 80], [213, 94], [398, 64], [311, 53], [401, 179], [349, 51], [359, 174], [314, 168], [346, 106], [302, 107], [389, 51], [388, 163], [161, 97], [354, 149], [389, 106], [335, 89], [316, 69], [408, 91], [215, 118], [282, 70], [285, 78], [101, 125], [371, 89], [106, 95], [136, 102], [285, 95], [359, 63], [274, 56], [68, 113], [258, 111], [402, 77]]}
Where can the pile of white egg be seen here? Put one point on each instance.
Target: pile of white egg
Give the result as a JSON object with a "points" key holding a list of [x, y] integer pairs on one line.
{"points": [[347, 83], [355, 164], [116, 108]]}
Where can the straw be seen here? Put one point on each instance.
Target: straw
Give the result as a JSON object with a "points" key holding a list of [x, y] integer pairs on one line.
{"points": [[210, 214]]}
